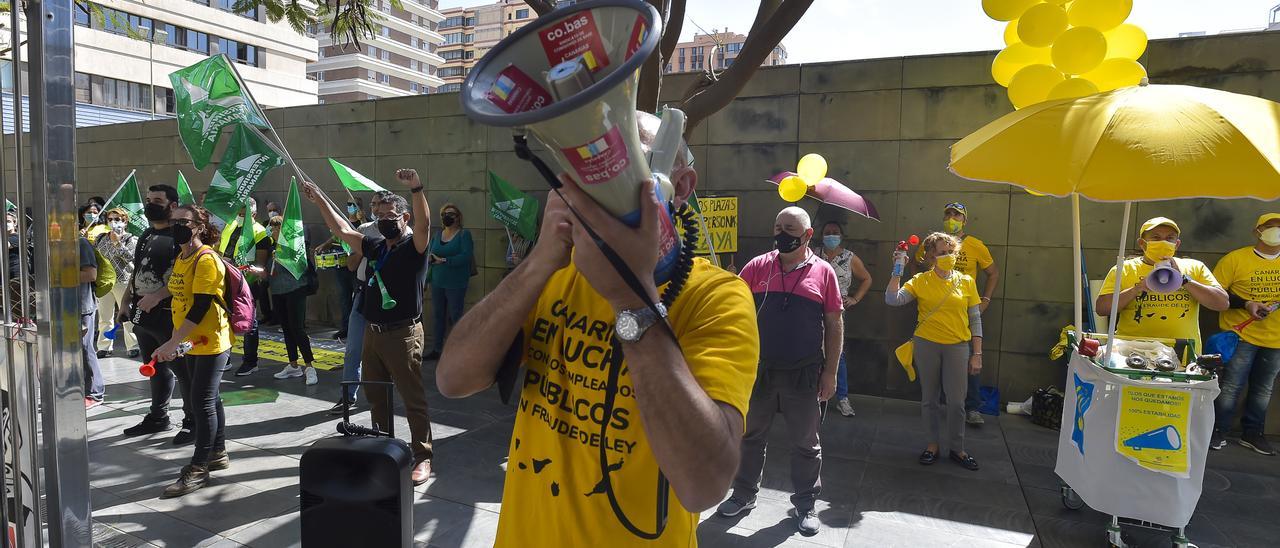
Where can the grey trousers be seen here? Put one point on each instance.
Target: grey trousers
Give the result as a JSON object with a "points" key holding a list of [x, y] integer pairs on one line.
{"points": [[943, 368], [794, 394]]}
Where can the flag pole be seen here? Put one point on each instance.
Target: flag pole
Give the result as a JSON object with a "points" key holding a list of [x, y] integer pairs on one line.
{"points": [[111, 200], [275, 134]]}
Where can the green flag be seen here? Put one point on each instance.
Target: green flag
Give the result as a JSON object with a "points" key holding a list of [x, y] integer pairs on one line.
{"points": [[511, 207], [127, 197], [184, 191], [247, 159], [245, 253], [291, 248], [209, 98], [353, 180]]}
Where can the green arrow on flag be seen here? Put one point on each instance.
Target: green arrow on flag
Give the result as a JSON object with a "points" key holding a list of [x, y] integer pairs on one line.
{"points": [[511, 207], [353, 180], [127, 198], [184, 191], [210, 97], [291, 248], [248, 158]]}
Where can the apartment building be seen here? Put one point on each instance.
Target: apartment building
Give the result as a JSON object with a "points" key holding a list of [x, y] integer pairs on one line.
{"points": [[715, 51], [401, 59], [123, 58], [469, 33]]}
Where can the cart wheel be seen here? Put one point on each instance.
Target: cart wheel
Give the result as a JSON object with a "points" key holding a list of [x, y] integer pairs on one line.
{"points": [[1071, 500]]}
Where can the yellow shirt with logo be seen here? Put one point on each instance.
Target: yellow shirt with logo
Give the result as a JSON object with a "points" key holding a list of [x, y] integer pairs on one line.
{"points": [[943, 306], [971, 256], [201, 273], [1253, 278], [554, 494], [1164, 316]]}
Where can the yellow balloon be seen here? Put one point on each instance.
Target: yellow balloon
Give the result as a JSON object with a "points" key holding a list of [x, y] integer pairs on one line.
{"points": [[1072, 88], [792, 189], [1103, 15], [1006, 10], [1032, 85], [1079, 50], [1011, 33], [1116, 74], [1041, 25], [1126, 41], [1015, 58], [812, 168]]}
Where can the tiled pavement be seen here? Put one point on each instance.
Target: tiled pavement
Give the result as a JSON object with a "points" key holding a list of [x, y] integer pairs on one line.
{"points": [[874, 492]]}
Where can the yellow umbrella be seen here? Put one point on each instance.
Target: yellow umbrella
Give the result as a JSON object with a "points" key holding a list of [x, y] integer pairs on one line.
{"points": [[1149, 142]]}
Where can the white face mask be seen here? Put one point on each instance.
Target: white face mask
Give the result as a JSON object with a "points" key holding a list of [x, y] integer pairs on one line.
{"points": [[1271, 236], [118, 226]]}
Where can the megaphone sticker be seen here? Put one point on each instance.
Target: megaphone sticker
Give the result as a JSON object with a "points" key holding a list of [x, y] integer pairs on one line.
{"points": [[599, 160], [514, 91], [572, 37]]}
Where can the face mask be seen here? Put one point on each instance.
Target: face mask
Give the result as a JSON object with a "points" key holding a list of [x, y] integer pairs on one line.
{"points": [[448, 219], [1160, 250], [786, 243], [1271, 236], [10, 227], [181, 234], [389, 228], [90, 218], [273, 213], [155, 212], [953, 226], [831, 241], [946, 262], [118, 226], [352, 209]]}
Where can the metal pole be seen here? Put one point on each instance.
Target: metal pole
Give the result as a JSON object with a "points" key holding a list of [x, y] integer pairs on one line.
{"points": [[1076, 253], [1115, 290], [66, 462], [23, 299]]}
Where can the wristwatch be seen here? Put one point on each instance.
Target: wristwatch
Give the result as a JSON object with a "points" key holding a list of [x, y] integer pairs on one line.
{"points": [[632, 324]]}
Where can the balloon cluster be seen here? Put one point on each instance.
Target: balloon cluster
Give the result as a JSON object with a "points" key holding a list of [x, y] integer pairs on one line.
{"points": [[811, 169], [1063, 49]]}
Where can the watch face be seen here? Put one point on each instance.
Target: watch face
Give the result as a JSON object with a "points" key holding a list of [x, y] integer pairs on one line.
{"points": [[627, 327]]}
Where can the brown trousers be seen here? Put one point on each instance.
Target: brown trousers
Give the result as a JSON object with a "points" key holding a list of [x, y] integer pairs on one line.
{"points": [[396, 356]]}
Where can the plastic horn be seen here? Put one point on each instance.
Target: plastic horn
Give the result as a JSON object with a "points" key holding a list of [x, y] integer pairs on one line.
{"points": [[111, 333], [1240, 326], [148, 369], [387, 302]]}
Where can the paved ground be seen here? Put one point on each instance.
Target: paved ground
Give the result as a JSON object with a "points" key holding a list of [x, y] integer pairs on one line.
{"points": [[874, 492]]}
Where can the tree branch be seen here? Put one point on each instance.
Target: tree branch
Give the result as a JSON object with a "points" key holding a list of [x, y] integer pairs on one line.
{"points": [[671, 31], [705, 97], [542, 7], [763, 13]]}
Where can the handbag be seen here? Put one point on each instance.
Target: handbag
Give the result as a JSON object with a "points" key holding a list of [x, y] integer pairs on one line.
{"points": [[906, 351]]}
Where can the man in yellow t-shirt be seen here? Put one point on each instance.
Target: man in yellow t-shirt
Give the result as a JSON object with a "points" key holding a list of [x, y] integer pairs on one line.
{"points": [[593, 431], [1251, 276], [1145, 313], [971, 257]]}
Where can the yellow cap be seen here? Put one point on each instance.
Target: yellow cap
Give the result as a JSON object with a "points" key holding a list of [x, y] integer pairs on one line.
{"points": [[1267, 217], [1159, 221]]}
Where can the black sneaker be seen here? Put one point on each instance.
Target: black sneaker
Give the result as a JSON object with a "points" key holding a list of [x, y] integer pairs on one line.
{"points": [[336, 410], [1218, 441], [219, 461], [185, 435], [104, 354], [193, 477], [246, 369], [134, 353], [1257, 442], [148, 426]]}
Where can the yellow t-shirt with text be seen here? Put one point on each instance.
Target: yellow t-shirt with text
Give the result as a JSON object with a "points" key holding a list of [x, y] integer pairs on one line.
{"points": [[971, 257], [943, 306], [554, 494], [1154, 315], [202, 273], [1254, 278]]}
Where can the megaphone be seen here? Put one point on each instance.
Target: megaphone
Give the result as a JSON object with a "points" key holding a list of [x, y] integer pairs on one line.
{"points": [[1164, 278], [570, 79], [387, 302], [1165, 438]]}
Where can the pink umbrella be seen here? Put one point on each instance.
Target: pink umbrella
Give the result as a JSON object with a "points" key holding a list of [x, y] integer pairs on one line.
{"points": [[831, 191]]}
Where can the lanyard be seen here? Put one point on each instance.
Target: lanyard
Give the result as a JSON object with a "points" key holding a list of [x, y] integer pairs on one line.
{"points": [[379, 263]]}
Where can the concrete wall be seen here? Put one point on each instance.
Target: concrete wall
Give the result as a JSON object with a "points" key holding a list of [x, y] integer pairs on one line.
{"points": [[884, 126]]}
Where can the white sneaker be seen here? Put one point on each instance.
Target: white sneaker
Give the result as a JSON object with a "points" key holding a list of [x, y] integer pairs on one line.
{"points": [[289, 371], [845, 408], [311, 376]]}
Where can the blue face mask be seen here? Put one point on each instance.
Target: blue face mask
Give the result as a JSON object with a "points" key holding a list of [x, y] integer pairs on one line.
{"points": [[352, 209], [831, 241]]}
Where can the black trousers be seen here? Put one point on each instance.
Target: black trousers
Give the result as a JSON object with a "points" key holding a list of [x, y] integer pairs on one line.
{"points": [[200, 378], [151, 334], [291, 310]]}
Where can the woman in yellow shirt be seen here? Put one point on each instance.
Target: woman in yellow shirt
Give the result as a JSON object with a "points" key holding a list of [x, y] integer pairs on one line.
{"points": [[200, 319], [949, 321]]}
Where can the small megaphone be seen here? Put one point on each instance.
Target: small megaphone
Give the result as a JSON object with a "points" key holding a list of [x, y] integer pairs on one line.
{"points": [[387, 302], [570, 79], [1165, 438], [1164, 278], [110, 334]]}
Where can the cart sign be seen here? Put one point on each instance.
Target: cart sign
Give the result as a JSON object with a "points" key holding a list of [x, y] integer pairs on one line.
{"points": [[1151, 428], [1084, 398], [721, 215]]}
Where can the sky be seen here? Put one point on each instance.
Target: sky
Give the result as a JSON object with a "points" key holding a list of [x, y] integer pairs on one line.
{"points": [[834, 30]]}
